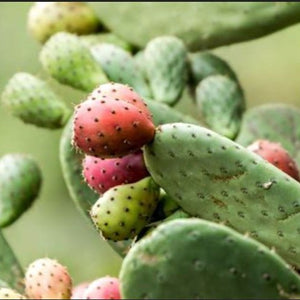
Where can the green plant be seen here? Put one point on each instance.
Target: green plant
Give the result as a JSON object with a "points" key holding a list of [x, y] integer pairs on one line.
{"points": [[179, 223]]}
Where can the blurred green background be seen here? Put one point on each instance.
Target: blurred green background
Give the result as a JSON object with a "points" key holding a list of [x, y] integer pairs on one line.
{"points": [[269, 71]]}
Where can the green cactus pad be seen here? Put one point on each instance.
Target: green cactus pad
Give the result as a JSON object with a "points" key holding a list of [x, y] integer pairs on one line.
{"points": [[196, 259], [163, 114], [216, 179], [47, 18], [275, 122], [200, 25], [166, 67], [140, 62], [70, 62], [123, 211], [11, 272], [91, 40], [204, 64], [33, 101], [222, 103], [20, 183], [119, 66]]}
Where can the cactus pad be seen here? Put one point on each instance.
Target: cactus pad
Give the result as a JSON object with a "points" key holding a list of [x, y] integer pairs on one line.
{"points": [[222, 103], [119, 66], [207, 64], [219, 180], [165, 61], [20, 183], [70, 62], [200, 25], [196, 259], [11, 271], [33, 101]]}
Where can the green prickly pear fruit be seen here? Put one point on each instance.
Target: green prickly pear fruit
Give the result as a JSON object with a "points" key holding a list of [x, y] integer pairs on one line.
{"points": [[32, 100], [119, 66], [197, 259], [48, 18], [70, 62], [7, 293], [91, 40], [20, 182], [222, 103], [204, 64], [123, 211], [166, 67]]}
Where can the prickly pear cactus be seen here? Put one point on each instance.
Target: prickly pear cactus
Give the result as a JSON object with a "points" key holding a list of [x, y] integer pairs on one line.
{"points": [[69, 61], [196, 259], [119, 66], [32, 100], [222, 103], [216, 179], [47, 18], [11, 271], [275, 122], [200, 25], [19, 186], [204, 64], [91, 40], [165, 61]]}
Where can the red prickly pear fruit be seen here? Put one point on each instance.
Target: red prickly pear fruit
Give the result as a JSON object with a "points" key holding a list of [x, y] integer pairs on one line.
{"points": [[110, 128], [78, 290], [102, 174], [275, 154], [47, 279], [103, 288], [122, 92]]}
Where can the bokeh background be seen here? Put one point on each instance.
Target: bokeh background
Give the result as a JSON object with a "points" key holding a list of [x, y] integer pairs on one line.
{"points": [[268, 69]]}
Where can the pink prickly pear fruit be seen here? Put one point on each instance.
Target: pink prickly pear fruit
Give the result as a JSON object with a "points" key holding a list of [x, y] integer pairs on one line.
{"points": [[102, 174], [78, 290], [103, 288], [275, 154], [107, 127], [47, 279], [122, 92]]}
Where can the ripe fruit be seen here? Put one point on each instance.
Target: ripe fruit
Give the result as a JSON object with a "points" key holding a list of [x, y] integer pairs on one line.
{"points": [[111, 127], [47, 279], [275, 154], [103, 288], [102, 174]]}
